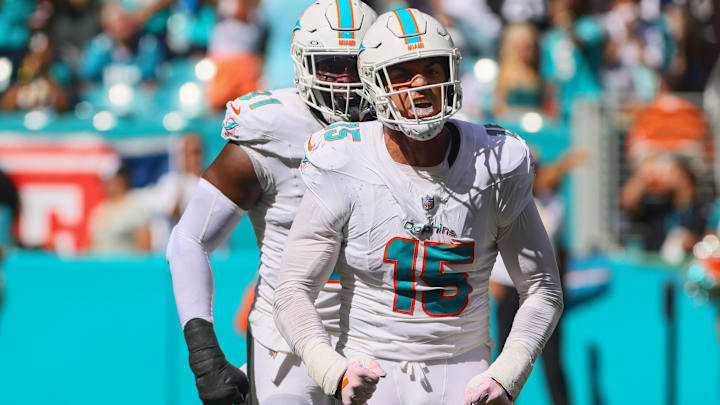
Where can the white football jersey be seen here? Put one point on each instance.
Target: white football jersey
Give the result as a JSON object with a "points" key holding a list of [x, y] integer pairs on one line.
{"points": [[273, 127], [417, 252]]}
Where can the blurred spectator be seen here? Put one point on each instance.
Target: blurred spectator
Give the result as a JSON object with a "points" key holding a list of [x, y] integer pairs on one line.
{"points": [[474, 28], [120, 223], [674, 23], [637, 48], [234, 48], [9, 210], [147, 19], [661, 198], [711, 97], [120, 47], [73, 22], [14, 31], [518, 86], [278, 18], [149, 16], [40, 83], [179, 184], [570, 57], [169, 197], [524, 10], [190, 25], [41, 15], [701, 22], [552, 211], [670, 124]]}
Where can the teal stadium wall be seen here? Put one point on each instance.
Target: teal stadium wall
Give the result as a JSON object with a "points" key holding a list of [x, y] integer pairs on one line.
{"points": [[94, 330], [105, 331]]}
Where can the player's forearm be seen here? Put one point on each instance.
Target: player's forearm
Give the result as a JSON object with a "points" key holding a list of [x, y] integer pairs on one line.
{"points": [[296, 317], [530, 260], [310, 254], [308, 260], [191, 277], [533, 325], [206, 223], [299, 323], [537, 316]]}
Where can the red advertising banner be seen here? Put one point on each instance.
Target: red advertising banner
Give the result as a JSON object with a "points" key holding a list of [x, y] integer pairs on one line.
{"points": [[60, 181]]}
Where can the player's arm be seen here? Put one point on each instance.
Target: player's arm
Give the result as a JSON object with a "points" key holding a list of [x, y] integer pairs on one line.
{"points": [[233, 173], [530, 260], [227, 187], [310, 254]]}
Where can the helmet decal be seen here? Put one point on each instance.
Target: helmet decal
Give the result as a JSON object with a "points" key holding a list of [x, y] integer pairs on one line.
{"points": [[346, 19], [410, 29]]}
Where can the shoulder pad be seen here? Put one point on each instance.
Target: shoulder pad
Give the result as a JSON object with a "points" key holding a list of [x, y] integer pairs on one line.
{"points": [[334, 146], [254, 116], [510, 153]]}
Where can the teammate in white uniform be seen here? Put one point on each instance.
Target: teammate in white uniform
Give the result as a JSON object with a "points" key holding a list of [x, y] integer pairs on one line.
{"points": [[257, 171], [414, 208]]}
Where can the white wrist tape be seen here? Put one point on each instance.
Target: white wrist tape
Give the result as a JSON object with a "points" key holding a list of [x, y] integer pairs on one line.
{"points": [[324, 365], [511, 368]]}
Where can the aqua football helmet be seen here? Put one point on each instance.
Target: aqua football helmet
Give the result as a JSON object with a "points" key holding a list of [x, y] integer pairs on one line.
{"points": [[401, 36], [324, 49]]}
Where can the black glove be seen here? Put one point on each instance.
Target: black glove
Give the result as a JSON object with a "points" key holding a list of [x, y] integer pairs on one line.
{"points": [[218, 382]]}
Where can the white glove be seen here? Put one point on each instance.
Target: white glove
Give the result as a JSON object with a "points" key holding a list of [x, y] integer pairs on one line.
{"points": [[483, 390], [360, 381]]}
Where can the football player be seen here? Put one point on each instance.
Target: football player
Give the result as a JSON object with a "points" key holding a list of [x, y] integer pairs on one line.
{"points": [[414, 208], [257, 171]]}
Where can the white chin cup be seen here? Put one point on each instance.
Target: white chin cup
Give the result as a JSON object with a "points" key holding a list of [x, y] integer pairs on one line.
{"points": [[421, 132]]}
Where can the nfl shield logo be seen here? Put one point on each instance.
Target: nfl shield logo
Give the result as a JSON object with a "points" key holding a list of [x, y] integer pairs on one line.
{"points": [[428, 202]]}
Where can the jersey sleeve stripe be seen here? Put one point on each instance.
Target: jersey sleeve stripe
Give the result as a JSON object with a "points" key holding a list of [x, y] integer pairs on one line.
{"points": [[264, 102]]}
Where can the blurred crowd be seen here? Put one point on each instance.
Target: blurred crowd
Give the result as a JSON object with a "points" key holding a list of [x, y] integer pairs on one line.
{"points": [[140, 219], [520, 57]]}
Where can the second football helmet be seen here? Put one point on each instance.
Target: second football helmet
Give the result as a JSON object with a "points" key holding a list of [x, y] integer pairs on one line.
{"points": [[324, 49]]}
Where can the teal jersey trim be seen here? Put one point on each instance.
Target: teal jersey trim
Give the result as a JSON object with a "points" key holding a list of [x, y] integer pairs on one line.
{"points": [[262, 103]]}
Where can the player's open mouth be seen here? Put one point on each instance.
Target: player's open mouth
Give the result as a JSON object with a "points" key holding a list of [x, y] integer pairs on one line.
{"points": [[424, 109]]}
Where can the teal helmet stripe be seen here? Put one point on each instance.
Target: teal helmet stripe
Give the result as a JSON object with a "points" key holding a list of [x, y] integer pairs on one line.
{"points": [[408, 24], [345, 18]]}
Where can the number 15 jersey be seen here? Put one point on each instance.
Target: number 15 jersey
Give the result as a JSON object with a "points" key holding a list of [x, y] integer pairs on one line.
{"points": [[417, 244]]}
